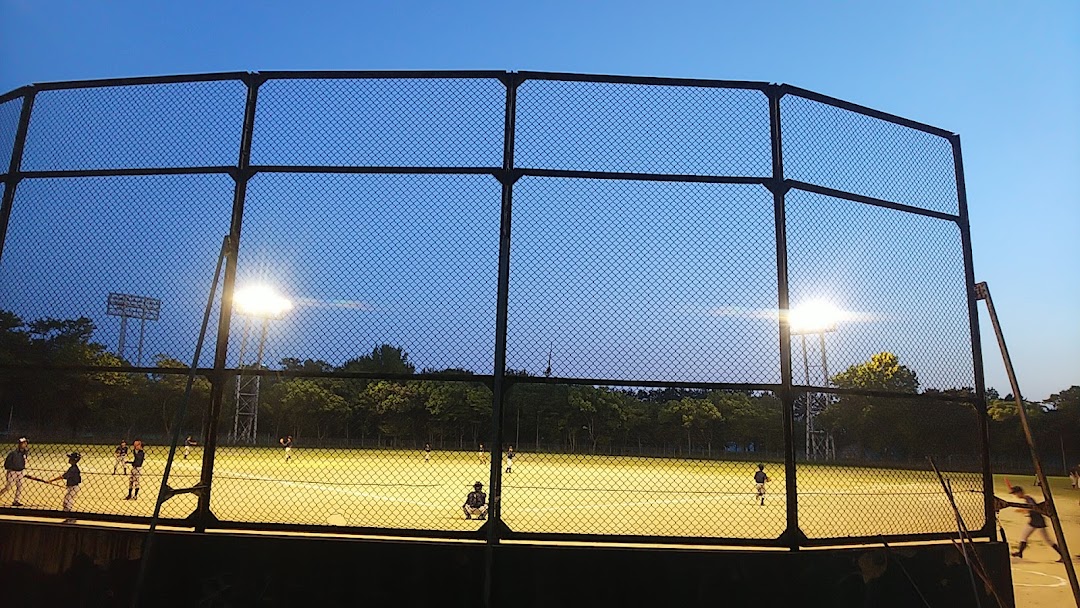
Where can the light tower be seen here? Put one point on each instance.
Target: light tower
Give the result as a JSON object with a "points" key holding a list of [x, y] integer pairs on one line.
{"points": [[128, 306], [259, 304], [814, 317]]}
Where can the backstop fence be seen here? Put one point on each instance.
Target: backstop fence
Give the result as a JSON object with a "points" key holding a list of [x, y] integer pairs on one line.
{"points": [[646, 287]]}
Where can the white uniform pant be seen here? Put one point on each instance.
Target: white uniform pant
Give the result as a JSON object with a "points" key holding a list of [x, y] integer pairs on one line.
{"points": [[1028, 529], [14, 478], [69, 498], [118, 463], [480, 511], [136, 474], [760, 489]]}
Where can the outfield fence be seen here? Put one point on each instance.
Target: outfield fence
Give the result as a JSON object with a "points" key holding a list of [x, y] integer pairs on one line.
{"points": [[609, 274]]}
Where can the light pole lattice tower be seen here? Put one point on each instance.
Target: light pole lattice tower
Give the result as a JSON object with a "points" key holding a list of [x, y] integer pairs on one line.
{"points": [[259, 305]]}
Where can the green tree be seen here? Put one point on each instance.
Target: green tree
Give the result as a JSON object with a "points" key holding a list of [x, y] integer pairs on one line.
{"points": [[875, 423]]}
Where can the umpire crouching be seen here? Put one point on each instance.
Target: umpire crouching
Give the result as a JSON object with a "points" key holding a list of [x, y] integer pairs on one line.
{"points": [[476, 503]]}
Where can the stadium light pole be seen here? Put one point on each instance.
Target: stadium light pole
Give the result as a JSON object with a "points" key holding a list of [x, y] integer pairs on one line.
{"points": [[260, 303], [813, 317]]}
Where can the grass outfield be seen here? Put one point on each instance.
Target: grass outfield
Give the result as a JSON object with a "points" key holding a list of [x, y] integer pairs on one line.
{"points": [[544, 493]]}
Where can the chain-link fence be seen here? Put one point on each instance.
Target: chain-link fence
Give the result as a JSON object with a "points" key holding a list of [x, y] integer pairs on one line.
{"points": [[487, 305]]}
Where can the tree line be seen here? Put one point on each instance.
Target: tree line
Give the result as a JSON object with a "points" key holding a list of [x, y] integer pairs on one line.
{"points": [[538, 415]]}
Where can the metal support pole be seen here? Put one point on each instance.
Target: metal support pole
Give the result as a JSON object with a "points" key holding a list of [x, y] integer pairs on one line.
{"points": [[792, 534], [142, 334], [499, 386], [976, 342], [203, 515], [984, 295], [809, 414], [14, 167]]}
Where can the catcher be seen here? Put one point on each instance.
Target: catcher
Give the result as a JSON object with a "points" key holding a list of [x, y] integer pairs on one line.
{"points": [[476, 503], [1036, 519]]}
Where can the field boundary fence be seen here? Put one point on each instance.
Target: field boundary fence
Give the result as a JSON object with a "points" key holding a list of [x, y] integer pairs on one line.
{"points": [[591, 268]]}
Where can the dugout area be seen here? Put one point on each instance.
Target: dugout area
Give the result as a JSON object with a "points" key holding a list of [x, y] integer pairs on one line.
{"points": [[52, 564]]}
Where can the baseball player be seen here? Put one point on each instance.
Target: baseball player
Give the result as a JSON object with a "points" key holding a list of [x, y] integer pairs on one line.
{"points": [[121, 457], [427, 452], [483, 453], [1035, 522], [760, 478], [138, 456], [286, 441], [188, 444], [510, 459], [476, 503], [73, 477], [1074, 476], [15, 469]]}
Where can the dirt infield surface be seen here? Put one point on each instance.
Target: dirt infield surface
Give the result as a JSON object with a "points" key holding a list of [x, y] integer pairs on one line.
{"points": [[558, 493]]}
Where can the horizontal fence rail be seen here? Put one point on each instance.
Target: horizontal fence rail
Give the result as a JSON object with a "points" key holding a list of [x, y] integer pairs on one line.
{"points": [[488, 305]]}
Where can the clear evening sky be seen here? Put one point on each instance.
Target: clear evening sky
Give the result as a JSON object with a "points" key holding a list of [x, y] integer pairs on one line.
{"points": [[1005, 76]]}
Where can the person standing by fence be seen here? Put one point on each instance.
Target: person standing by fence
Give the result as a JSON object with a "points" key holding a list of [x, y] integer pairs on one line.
{"points": [[15, 469]]}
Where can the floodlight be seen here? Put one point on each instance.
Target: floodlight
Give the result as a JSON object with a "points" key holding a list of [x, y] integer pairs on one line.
{"points": [[814, 317], [261, 301]]}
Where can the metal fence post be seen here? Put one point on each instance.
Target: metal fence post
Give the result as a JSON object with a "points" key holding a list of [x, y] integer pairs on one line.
{"points": [[976, 344], [792, 535], [203, 516], [15, 166]]}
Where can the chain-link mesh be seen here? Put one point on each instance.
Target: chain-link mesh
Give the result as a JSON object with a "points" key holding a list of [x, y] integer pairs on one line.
{"points": [[643, 280], [360, 453], [871, 476], [845, 150], [72, 242], [388, 342], [10, 111], [661, 462], [190, 124], [898, 279], [594, 126], [100, 417], [407, 261], [380, 122]]}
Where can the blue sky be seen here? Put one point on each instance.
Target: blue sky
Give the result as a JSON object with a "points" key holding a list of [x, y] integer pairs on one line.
{"points": [[1005, 76]]}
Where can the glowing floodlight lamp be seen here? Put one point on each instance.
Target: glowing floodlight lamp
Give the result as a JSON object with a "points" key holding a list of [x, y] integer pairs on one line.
{"points": [[814, 317], [261, 301]]}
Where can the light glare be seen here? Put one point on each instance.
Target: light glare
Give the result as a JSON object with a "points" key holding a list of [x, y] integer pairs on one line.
{"points": [[261, 301], [814, 317]]}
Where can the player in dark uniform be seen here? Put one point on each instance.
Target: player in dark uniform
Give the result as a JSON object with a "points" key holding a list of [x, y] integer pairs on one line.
{"points": [[427, 452], [760, 478], [476, 503], [1035, 522], [15, 469], [286, 442], [138, 456], [121, 457], [510, 459], [74, 478], [483, 454], [188, 444]]}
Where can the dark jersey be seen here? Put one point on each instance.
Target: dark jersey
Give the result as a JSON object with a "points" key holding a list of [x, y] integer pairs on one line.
{"points": [[476, 499], [16, 460], [286, 442], [140, 456], [509, 454], [760, 477], [73, 475], [121, 450], [1035, 519]]}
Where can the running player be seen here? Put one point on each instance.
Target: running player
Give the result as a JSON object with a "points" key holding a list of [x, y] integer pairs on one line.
{"points": [[510, 459], [121, 457], [138, 456], [286, 442], [1035, 522], [476, 503], [15, 469], [760, 478]]}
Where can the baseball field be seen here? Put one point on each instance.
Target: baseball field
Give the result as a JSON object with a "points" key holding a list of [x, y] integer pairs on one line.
{"points": [[562, 493]]}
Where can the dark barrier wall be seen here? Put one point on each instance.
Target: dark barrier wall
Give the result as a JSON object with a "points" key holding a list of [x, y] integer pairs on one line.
{"points": [[57, 565], [646, 286]]}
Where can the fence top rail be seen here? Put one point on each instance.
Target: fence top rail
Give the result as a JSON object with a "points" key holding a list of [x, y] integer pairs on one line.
{"points": [[787, 89], [15, 93], [647, 80]]}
